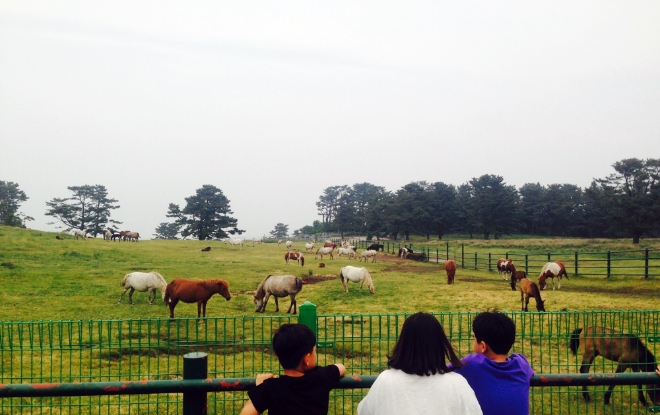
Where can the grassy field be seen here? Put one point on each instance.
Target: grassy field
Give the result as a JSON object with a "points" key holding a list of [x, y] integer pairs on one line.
{"points": [[45, 279], [42, 278]]}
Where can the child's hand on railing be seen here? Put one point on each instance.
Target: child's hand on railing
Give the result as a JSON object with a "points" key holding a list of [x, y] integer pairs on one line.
{"points": [[264, 376]]}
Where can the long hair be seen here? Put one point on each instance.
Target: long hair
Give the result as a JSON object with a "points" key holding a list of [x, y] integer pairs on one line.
{"points": [[422, 347]]}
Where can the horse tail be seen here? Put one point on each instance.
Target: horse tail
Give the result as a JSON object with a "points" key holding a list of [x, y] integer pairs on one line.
{"points": [[341, 275], [302, 260], [167, 295], [574, 343], [123, 281]]}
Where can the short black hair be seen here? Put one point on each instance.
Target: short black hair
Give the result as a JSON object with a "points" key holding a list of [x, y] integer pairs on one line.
{"points": [[422, 347], [497, 330], [291, 343]]}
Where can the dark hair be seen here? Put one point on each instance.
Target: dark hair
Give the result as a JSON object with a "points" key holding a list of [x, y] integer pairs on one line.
{"points": [[497, 330], [422, 347], [291, 343]]}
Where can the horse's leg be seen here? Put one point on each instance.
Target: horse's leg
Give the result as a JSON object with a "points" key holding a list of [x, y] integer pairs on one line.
{"points": [[266, 298], [587, 359], [122, 294], [277, 304], [526, 301], [522, 300], [204, 309], [640, 390], [293, 301], [619, 369], [559, 282], [130, 296], [361, 283], [172, 305]]}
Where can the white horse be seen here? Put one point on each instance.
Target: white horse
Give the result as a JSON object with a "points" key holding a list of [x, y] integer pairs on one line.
{"points": [[309, 246], [277, 286], [107, 235], [143, 281], [257, 241], [234, 241], [325, 251], [403, 253], [279, 242], [289, 245], [368, 253], [78, 233], [346, 251], [355, 274]]}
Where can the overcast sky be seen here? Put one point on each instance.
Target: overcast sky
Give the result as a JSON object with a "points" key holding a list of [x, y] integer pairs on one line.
{"points": [[274, 101]]}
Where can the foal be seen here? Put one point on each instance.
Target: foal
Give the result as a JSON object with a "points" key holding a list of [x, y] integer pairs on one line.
{"points": [[527, 289]]}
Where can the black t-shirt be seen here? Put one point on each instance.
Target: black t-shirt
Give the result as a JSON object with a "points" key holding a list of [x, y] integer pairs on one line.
{"points": [[305, 395]]}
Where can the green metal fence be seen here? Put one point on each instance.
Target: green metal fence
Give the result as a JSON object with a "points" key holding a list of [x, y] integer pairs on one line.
{"points": [[238, 347], [642, 262]]}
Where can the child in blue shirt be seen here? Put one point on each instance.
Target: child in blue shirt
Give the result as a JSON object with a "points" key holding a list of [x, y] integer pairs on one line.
{"points": [[500, 381]]}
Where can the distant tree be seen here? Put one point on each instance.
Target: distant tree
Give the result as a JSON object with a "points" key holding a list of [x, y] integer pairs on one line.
{"points": [[533, 202], [206, 215], [466, 220], [89, 209], [280, 231], [634, 193], [167, 231], [329, 202], [494, 205], [10, 201], [411, 210], [442, 199], [314, 228]]}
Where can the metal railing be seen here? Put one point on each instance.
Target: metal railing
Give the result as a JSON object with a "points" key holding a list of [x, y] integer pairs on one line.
{"points": [[141, 351]]}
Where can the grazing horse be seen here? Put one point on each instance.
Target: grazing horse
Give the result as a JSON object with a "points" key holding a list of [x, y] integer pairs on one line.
{"points": [[132, 236], [107, 235], [326, 250], [78, 233], [450, 267], [376, 247], [505, 268], [517, 276], [143, 281], [257, 241], [355, 274], [527, 289], [289, 245], [277, 286], [194, 292], [346, 251], [294, 256], [552, 270], [625, 349], [309, 247], [367, 254], [279, 242], [207, 249], [321, 265], [122, 235], [330, 244], [403, 253], [233, 242]]}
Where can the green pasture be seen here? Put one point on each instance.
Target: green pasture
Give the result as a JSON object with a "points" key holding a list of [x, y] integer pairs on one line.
{"points": [[42, 278]]}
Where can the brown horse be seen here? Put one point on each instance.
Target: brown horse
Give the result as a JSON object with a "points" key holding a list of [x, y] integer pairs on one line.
{"points": [[527, 289], [294, 256], [194, 292], [505, 267], [552, 270], [450, 267], [517, 276], [625, 349]]}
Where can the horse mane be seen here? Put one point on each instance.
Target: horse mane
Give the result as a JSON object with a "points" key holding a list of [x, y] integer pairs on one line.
{"points": [[368, 280], [261, 291], [646, 360], [209, 284], [162, 280]]}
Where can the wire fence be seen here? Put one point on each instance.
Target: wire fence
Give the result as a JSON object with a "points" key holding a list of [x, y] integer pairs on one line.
{"points": [[631, 263], [239, 347]]}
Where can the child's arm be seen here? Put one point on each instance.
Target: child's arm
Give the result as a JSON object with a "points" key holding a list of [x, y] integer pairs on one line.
{"points": [[249, 408], [342, 369]]}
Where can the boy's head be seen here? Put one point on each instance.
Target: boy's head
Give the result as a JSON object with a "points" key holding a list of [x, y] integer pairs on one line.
{"points": [[497, 330], [291, 343]]}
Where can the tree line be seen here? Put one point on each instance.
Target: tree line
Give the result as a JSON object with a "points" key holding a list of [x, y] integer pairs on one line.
{"points": [[624, 204]]}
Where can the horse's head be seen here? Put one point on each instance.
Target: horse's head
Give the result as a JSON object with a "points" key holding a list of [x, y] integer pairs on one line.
{"points": [[222, 288], [258, 303], [540, 305], [542, 282]]}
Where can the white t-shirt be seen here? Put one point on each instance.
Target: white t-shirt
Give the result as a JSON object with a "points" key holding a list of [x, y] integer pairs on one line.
{"points": [[396, 392]]}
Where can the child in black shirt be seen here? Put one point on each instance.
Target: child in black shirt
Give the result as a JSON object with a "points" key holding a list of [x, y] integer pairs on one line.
{"points": [[304, 388]]}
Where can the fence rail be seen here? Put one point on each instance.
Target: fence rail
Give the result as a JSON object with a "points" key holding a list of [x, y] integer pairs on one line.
{"points": [[643, 263], [150, 350]]}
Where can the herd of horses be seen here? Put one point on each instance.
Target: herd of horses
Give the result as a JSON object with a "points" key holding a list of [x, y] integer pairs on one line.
{"points": [[625, 349], [108, 235]]}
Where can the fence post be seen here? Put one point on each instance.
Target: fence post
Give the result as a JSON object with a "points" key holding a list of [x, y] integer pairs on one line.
{"points": [[195, 366], [526, 264], [609, 262], [437, 258], [462, 255], [490, 265], [646, 263], [548, 256], [576, 262], [475, 261], [447, 251], [307, 316], [506, 255]]}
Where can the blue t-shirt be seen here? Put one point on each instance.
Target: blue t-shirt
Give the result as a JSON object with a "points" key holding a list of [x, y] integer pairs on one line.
{"points": [[501, 388]]}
